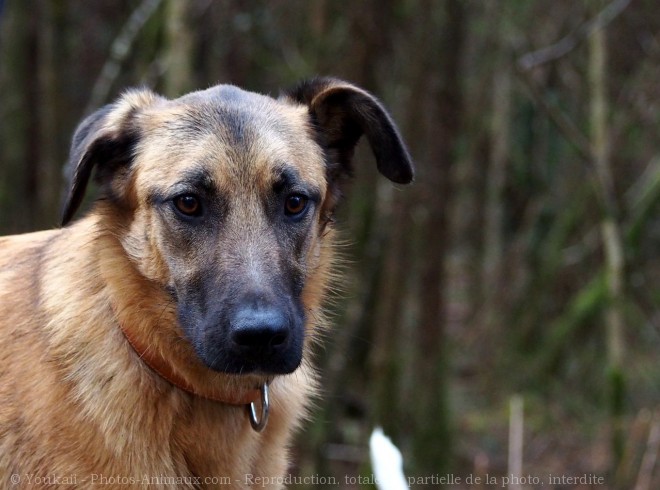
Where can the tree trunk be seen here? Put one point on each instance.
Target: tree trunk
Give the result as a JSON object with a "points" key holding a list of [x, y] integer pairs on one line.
{"points": [[47, 165], [18, 153], [500, 130], [432, 441], [387, 353], [611, 239], [178, 73]]}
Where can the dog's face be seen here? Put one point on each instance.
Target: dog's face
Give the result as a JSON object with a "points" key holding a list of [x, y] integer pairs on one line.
{"points": [[233, 208], [225, 198]]}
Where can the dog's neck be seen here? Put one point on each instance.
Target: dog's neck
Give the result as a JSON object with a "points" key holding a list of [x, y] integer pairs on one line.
{"points": [[163, 367], [137, 304]]}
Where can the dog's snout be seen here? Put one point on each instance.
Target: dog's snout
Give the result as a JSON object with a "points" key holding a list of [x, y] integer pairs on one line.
{"points": [[259, 333], [260, 329]]}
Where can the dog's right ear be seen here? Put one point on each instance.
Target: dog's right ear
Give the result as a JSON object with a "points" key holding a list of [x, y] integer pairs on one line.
{"points": [[104, 140]]}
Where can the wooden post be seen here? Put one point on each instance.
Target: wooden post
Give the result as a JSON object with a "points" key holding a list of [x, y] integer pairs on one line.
{"points": [[516, 432]]}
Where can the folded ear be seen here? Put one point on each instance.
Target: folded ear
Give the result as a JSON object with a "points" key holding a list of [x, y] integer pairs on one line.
{"points": [[342, 113], [104, 140]]}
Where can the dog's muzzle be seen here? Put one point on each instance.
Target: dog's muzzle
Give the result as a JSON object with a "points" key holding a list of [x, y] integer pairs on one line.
{"points": [[248, 336]]}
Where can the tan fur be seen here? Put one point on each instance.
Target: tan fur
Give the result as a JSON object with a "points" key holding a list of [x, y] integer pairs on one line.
{"points": [[77, 404]]}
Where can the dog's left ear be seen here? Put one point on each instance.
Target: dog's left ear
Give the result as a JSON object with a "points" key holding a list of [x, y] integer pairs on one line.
{"points": [[342, 113], [105, 140]]}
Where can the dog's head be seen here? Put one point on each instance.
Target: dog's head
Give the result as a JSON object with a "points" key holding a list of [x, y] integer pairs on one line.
{"points": [[225, 197]]}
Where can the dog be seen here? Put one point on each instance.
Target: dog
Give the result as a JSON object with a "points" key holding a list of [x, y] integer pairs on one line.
{"points": [[164, 338]]}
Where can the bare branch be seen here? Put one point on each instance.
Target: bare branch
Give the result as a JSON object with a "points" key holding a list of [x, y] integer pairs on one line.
{"points": [[570, 42], [564, 124], [119, 50]]}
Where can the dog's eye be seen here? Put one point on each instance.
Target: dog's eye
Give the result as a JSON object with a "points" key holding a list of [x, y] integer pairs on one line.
{"points": [[295, 204], [188, 204]]}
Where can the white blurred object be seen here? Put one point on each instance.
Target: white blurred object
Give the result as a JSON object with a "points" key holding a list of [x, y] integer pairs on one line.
{"points": [[386, 462]]}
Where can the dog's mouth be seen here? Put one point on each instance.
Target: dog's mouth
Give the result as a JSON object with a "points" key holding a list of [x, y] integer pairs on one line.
{"points": [[279, 356], [265, 363]]}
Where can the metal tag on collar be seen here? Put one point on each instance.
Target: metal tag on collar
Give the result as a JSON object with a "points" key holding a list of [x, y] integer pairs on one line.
{"points": [[258, 424]]}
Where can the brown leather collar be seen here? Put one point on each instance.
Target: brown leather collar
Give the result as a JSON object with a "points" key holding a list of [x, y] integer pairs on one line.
{"points": [[160, 365]]}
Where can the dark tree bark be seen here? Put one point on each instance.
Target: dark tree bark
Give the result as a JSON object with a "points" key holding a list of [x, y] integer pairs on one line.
{"points": [[432, 439]]}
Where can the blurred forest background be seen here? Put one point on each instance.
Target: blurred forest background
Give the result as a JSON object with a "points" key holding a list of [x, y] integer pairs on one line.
{"points": [[502, 315]]}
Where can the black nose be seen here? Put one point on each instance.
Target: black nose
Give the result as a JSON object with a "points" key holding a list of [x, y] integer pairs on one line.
{"points": [[260, 329]]}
